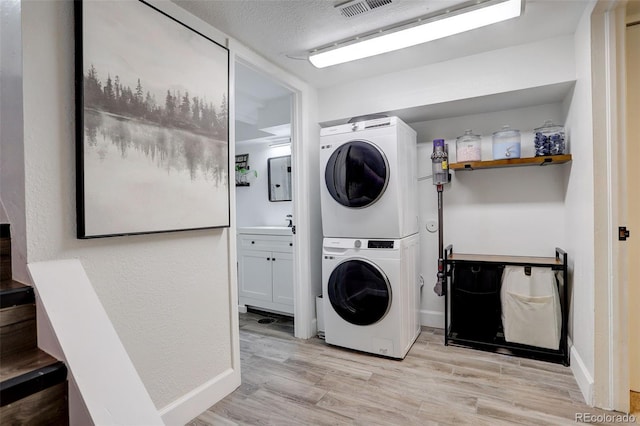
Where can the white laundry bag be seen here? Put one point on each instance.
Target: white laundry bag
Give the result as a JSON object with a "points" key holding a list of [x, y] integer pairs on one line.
{"points": [[531, 313]]}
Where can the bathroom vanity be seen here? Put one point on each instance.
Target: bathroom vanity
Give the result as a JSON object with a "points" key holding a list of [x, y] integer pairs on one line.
{"points": [[265, 268]]}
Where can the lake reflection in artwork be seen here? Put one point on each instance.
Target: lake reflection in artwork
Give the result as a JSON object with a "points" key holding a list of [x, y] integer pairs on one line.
{"points": [[165, 173]]}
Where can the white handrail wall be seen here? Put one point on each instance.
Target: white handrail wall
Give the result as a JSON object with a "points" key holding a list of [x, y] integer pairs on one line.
{"points": [[101, 368]]}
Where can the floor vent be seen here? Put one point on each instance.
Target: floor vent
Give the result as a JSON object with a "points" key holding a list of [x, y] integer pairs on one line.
{"points": [[358, 7]]}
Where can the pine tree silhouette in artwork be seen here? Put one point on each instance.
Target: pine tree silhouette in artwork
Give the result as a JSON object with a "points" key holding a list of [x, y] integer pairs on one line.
{"points": [[117, 92], [170, 107], [92, 89], [185, 107], [195, 117], [109, 95], [223, 117], [149, 107], [139, 103]]}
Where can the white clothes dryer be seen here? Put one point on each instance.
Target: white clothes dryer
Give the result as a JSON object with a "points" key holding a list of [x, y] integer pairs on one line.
{"points": [[369, 179], [371, 294]]}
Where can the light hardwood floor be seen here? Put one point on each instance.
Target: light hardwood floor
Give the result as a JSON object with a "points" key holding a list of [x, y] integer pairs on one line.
{"points": [[287, 381]]}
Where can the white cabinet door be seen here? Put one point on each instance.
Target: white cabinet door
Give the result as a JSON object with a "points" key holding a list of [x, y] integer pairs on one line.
{"points": [[254, 274], [283, 278]]}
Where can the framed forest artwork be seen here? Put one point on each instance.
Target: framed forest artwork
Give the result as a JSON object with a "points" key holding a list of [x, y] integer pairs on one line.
{"points": [[152, 122]]}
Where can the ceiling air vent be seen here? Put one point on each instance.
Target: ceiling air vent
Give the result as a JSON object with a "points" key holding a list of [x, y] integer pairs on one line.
{"points": [[358, 7]]}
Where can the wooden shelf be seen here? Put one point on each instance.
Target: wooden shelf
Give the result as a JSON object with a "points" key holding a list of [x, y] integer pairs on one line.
{"points": [[505, 260], [515, 162]]}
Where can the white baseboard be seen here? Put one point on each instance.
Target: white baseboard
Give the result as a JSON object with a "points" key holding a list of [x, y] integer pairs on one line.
{"points": [[196, 402], [432, 318], [242, 309], [582, 375]]}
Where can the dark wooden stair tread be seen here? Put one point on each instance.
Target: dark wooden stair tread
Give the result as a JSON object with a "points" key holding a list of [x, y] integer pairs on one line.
{"points": [[17, 364], [5, 230], [27, 373], [12, 285], [15, 293]]}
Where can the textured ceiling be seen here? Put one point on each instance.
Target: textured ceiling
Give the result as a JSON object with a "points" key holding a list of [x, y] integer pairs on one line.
{"points": [[284, 29]]}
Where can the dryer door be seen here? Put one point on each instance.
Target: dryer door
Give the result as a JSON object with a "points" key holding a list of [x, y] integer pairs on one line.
{"points": [[357, 174], [359, 292]]}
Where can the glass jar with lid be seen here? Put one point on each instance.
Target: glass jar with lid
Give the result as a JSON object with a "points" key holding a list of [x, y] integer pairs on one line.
{"points": [[468, 147], [549, 139], [506, 143]]}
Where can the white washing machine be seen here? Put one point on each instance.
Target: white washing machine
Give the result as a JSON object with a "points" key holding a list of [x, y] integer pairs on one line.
{"points": [[369, 179], [371, 294]]}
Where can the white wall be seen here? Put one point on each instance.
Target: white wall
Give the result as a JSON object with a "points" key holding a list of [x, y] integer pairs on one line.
{"points": [[168, 295], [252, 202], [517, 211], [11, 145], [497, 71]]}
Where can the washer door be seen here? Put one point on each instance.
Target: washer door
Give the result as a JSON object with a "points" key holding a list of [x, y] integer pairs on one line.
{"points": [[359, 292], [356, 174]]}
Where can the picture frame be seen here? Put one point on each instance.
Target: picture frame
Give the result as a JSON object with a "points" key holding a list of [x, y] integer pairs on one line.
{"points": [[243, 170], [152, 123]]}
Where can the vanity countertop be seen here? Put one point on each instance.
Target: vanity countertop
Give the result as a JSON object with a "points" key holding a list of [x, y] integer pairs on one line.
{"points": [[265, 230]]}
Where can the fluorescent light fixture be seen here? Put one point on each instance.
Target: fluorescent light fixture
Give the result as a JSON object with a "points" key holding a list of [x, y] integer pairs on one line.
{"points": [[424, 30]]}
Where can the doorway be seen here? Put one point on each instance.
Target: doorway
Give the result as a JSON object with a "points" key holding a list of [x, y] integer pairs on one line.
{"points": [[264, 213]]}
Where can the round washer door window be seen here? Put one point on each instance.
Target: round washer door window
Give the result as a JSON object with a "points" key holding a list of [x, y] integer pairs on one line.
{"points": [[356, 174], [359, 292]]}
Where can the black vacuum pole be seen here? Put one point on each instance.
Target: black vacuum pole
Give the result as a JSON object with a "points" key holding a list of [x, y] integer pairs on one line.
{"points": [[439, 288]]}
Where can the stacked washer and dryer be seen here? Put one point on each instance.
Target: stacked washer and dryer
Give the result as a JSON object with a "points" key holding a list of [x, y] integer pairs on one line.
{"points": [[370, 279]]}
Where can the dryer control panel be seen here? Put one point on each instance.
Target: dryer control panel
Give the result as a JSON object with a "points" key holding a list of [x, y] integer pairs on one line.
{"points": [[378, 244]]}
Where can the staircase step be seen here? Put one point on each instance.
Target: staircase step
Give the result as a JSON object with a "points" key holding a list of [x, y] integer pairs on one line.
{"points": [[34, 381], [27, 373], [5, 265], [45, 408], [18, 364], [14, 293], [5, 252], [33, 389], [33, 384], [17, 318], [17, 338], [5, 230], [5, 247]]}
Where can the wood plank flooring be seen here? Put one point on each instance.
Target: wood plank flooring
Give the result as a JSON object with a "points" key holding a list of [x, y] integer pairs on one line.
{"points": [[287, 381]]}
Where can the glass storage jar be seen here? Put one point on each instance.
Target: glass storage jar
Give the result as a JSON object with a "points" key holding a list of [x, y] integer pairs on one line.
{"points": [[468, 147], [506, 143], [549, 139]]}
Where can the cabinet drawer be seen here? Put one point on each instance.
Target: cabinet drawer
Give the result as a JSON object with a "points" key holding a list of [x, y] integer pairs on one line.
{"points": [[279, 243]]}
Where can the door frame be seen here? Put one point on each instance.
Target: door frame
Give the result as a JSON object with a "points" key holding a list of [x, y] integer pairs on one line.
{"points": [[611, 369], [302, 135]]}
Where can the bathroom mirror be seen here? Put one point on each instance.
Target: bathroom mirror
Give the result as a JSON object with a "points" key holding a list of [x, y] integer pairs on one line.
{"points": [[279, 171]]}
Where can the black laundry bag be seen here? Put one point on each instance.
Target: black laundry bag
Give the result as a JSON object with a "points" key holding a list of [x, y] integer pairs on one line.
{"points": [[475, 301]]}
